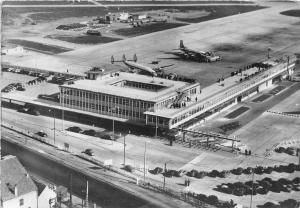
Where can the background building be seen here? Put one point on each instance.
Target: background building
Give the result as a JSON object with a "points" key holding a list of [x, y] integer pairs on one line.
{"points": [[17, 188]]}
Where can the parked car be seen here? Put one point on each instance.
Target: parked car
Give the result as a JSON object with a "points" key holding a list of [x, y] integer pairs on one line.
{"points": [[89, 132], [75, 129], [42, 134], [29, 110], [89, 152]]}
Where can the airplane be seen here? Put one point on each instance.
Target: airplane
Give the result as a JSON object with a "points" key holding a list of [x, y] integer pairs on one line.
{"points": [[201, 56], [132, 64]]}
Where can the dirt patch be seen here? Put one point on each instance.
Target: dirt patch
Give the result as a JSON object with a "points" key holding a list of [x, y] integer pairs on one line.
{"points": [[229, 47], [83, 39], [293, 13], [39, 47]]}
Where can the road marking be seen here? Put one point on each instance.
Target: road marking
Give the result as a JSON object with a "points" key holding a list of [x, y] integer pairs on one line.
{"points": [[41, 151], [193, 162]]}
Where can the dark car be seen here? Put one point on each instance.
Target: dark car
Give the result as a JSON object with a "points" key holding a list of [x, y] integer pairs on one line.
{"points": [[75, 129], [34, 112], [89, 132], [89, 152], [21, 88], [42, 134]]}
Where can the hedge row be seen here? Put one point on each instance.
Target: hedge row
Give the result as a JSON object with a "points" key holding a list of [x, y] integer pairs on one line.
{"points": [[289, 203], [260, 186], [213, 200], [290, 168]]}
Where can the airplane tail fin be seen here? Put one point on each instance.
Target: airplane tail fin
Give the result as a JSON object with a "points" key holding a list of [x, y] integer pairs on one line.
{"points": [[112, 60], [134, 58], [181, 44], [124, 58]]}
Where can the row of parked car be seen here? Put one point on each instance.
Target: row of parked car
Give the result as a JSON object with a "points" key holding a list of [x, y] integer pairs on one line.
{"points": [[12, 87], [26, 72], [90, 132]]}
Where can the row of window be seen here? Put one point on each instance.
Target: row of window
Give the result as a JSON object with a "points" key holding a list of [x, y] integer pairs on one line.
{"points": [[104, 109], [160, 121], [91, 96]]}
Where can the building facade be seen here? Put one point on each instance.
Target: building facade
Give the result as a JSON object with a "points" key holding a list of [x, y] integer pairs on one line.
{"points": [[125, 95], [17, 188]]}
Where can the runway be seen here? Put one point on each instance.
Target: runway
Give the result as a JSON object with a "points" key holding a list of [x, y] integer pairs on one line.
{"points": [[232, 30]]}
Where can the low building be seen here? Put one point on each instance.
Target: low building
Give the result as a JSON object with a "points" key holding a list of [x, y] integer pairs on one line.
{"points": [[17, 188], [127, 95], [12, 50], [46, 195], [123, 16]]}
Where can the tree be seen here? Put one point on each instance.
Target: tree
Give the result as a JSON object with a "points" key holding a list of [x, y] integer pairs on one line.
{"points": [[289, 203], [212, 199], [229, 204]]}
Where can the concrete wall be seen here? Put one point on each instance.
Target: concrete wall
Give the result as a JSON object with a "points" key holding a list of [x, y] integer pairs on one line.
{"points": [[265, 85]]}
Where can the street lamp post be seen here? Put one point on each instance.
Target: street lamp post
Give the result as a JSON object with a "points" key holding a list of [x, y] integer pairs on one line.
{"points": [[156, 128], [165, 175], [53, 114], [113, 114], [145, 161], [125, 147]]}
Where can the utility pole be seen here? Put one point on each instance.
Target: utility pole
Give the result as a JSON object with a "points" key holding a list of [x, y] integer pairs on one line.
{"points": [[252, 188], [71, 189], [165, 175], [62, 104], [53, 114], [287, 67], [145, 162], [87, 195], [124, 150], [54, 125], [125, 147], [156, 127]]}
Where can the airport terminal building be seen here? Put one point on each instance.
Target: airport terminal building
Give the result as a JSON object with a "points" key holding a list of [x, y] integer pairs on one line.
{"points": [[165, 103], [127, 96]]}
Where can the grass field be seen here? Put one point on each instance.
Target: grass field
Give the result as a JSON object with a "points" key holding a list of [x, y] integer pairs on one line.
{"points": [[277, 90], [84, 39], [62, 2], [42, 14], [145, 29], [293, 13], [237, 112], [261, 98]]}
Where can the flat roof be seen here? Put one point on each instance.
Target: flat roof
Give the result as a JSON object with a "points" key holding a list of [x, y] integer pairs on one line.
{"points": [[105, 85], [214, 90]]}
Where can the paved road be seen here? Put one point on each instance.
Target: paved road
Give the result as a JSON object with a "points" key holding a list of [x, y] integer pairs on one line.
{"points": [[256, 109], [106, 189], [158, 151]]}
